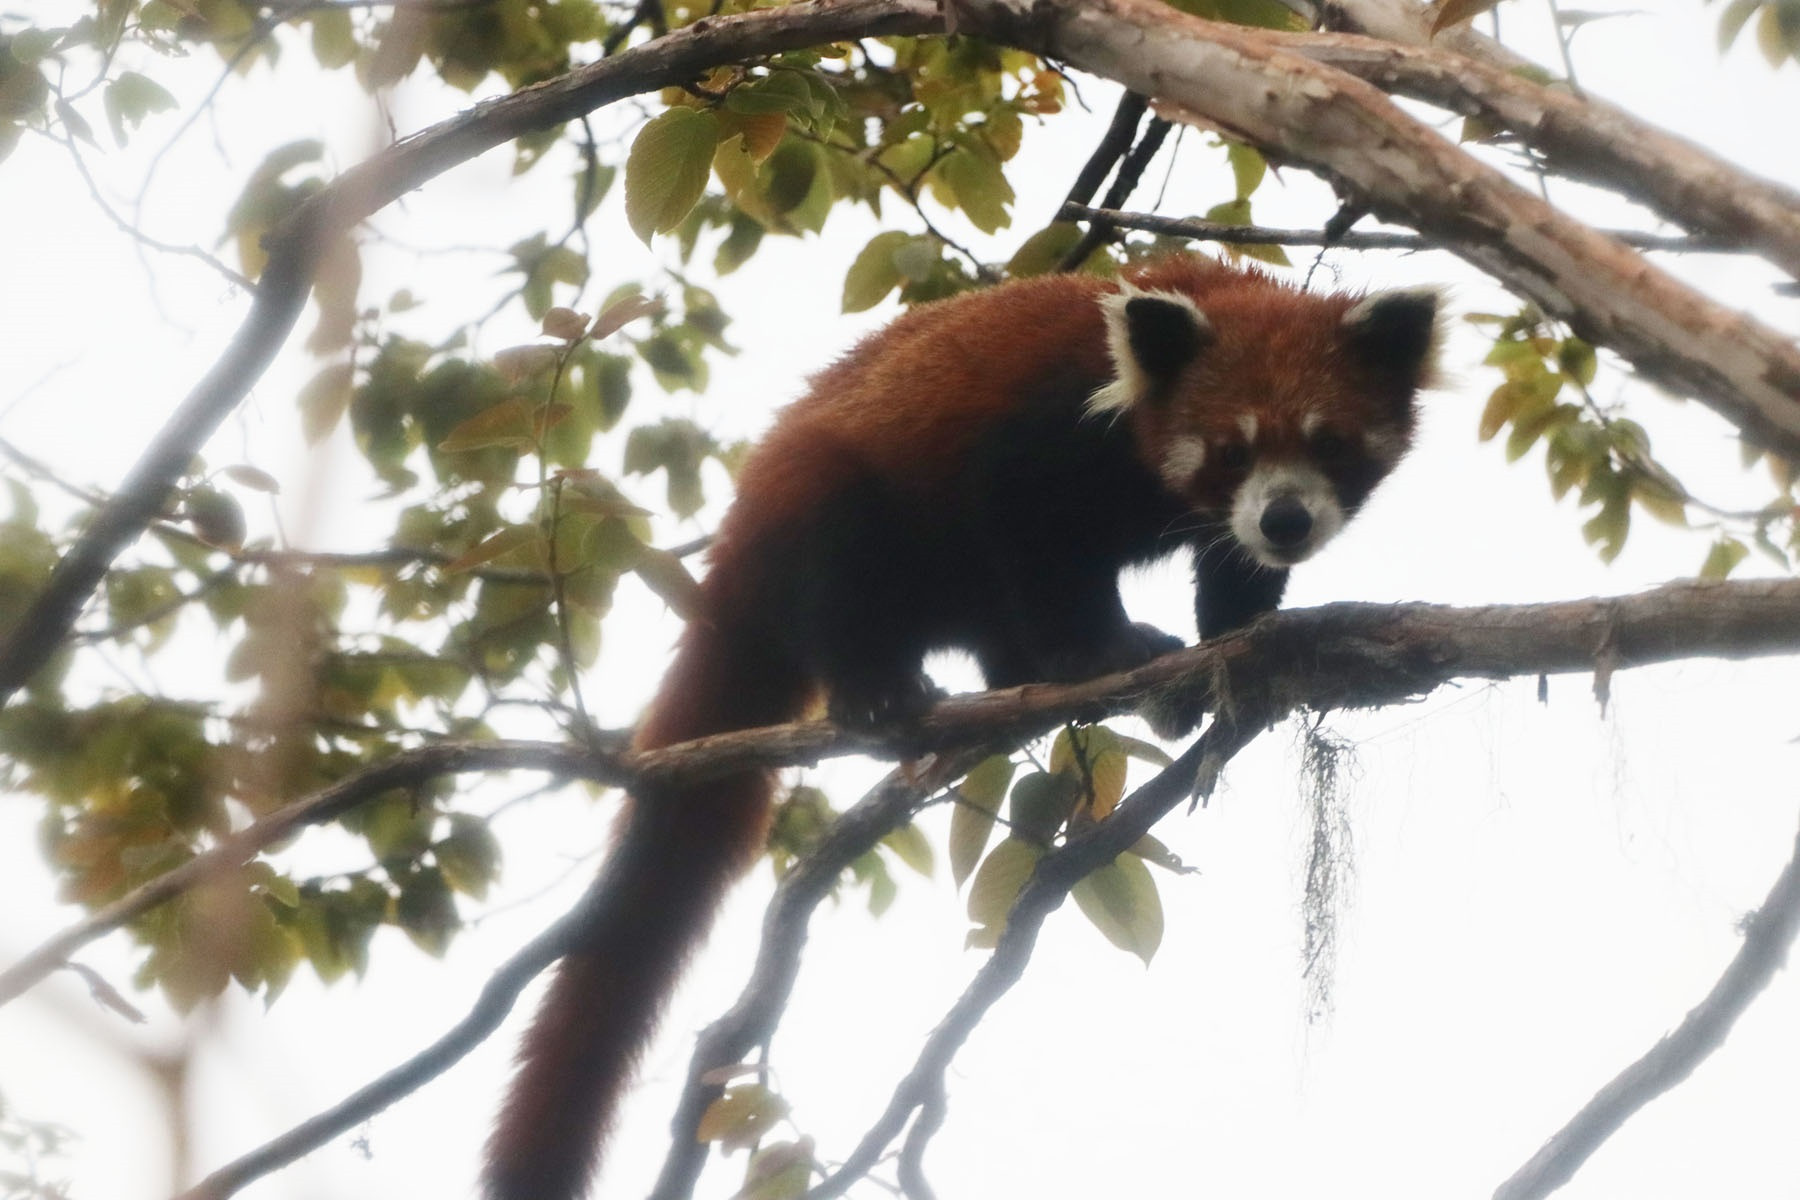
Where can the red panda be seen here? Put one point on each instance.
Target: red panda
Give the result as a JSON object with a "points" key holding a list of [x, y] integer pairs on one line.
{"points": [[974, 476]]}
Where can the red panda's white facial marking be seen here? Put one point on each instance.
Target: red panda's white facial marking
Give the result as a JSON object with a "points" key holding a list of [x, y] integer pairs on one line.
{"points": [[1182, 461], [1284, 511]]}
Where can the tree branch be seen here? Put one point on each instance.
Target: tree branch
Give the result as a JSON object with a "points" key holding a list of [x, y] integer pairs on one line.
{"points": [[1588, 139], [1768, 934], [1203, 230], [294, 251], [1581, 136], [1117, 140], [1334, 656], [1055, 876], [495, 1001], [752, 1020], [1260, 87]]}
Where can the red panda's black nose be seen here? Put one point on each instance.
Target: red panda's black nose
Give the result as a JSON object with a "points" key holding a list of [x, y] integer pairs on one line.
{"points": [[1286, 522]]}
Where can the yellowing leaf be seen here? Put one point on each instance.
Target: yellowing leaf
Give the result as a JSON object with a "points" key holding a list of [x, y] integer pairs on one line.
{"points": [[741, 1116], [501, 542], [623, 311], [564, 324], [1122, 901], [1446, 13], [508, 423], [668, 578], [1100, 766], [667, 169]]}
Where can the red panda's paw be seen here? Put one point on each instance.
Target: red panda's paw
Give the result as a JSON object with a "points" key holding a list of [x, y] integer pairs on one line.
{"points": [[1170, 716], [869, 706]]}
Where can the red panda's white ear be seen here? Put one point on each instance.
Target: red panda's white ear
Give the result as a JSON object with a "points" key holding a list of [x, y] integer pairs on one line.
{"points": [[1396, 331], [1151, 336]]}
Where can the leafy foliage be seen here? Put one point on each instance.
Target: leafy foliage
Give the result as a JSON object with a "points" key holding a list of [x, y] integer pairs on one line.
{"points": [[1604, 457], [517, 489]]}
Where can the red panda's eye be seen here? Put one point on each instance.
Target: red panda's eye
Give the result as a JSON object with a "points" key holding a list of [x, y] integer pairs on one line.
{"points": [[1234, 456], [1328, 445]]}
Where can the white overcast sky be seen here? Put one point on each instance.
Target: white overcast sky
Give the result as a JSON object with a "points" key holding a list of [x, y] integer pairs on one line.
{"points": [[1541, 890]]}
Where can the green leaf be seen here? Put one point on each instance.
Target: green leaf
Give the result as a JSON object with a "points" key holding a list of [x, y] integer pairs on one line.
{"points": [[470, 857], [1041, 803], [333, 36], [996, 885], [972, 816], [1122, 901], [781, 92], [129, 99], [1577, 360], [1723, 558], [872, 274], [979, 187], [1248, 167], [667, 169], [911, 847], [1044, 251], [217, 519], [254, 478], [1731, 21]]}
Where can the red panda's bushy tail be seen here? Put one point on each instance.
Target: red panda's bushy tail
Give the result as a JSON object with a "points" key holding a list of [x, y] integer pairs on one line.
{"points": [[677, 851]]}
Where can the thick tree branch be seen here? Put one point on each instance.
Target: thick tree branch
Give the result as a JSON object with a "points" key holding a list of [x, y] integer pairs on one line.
{"points": [[1253, 83], [1261, 88], [1587, 139], [294, 251], [1768, 935], [1335, 656]]}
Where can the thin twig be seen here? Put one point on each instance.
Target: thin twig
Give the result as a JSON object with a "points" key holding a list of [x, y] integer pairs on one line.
{"points": [[1131, 171], [491, 1007], [1768, 934], [1201, 229], [137, 235]]}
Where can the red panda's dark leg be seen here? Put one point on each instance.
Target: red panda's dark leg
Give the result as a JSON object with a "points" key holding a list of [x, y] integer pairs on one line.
{"points": [[1061, 621], [1232, 588], [860, 606]]}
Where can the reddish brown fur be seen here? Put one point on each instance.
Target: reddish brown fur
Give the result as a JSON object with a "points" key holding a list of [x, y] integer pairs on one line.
{"points": [[905, 406]]}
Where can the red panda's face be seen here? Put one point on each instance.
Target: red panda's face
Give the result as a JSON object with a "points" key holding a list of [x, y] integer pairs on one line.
{"points": [[1275, 412]]}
